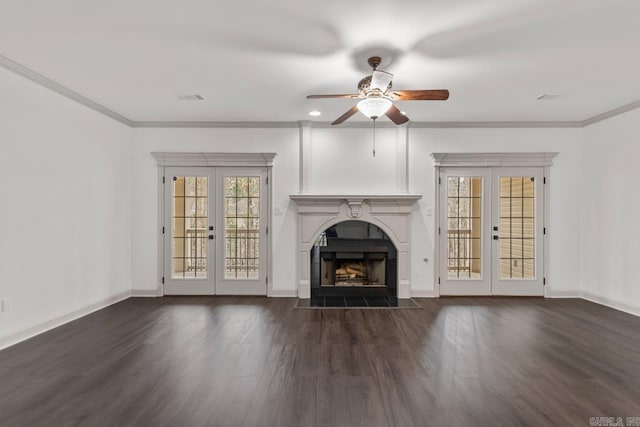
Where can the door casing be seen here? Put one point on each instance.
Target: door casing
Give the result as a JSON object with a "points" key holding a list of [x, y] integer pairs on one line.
{"points": [[476, 161], [217, 171]]}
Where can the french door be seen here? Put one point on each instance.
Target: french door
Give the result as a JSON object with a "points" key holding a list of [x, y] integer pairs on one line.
{"points": [[491, 231], [215, 231]]}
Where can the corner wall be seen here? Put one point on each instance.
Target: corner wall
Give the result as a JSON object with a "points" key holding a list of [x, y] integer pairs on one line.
{"points": [[610, 196], [65, 216]]}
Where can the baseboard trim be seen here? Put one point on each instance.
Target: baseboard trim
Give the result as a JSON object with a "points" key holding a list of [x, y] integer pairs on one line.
{"points": [[144, 293], [16, 337], [283, 293], [430, 293], [562, 293], [629, 309]]}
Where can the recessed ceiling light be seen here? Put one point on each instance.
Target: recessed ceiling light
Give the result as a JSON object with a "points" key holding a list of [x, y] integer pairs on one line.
{"points": [[547, 97], [191, 97], [315, 113]]}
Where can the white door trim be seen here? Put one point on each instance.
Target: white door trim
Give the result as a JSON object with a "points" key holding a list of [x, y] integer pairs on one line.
{"points": [[503, 159]]}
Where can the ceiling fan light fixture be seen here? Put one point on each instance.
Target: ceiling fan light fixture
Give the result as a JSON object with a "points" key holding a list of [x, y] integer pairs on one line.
{"points": [[374, 107]]}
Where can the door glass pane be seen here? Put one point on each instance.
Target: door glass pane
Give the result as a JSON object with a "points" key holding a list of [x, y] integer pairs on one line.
{"points": [[189, 227], [517, 228], [464, 227], [242, 227]]}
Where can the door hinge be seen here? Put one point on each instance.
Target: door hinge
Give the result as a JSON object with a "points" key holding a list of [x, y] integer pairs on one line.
{"points": [[163, 280], [162, 230], [267, 230], [266, 180], [163, 179], [544, 180], [544, 230], [439, 180], [267, 280], [438, 230], [438, 280], [544, 280]]}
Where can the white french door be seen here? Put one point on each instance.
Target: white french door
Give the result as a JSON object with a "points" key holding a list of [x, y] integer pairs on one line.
{"points": [[491, 231], [517, 234], [215, 231], [241, 245]]}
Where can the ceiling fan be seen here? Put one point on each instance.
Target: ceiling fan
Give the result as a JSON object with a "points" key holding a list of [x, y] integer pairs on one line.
{"points": [[376, 96]]}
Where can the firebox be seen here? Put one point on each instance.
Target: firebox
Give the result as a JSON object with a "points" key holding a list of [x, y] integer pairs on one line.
{"points": [[343, 266], [346, 268]]}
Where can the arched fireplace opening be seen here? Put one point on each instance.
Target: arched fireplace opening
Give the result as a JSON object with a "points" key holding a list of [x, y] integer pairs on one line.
{"points": [[354, 259]]}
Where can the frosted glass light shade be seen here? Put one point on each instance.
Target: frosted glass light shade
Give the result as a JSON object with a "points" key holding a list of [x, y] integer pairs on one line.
{"points": [[374, 107]]}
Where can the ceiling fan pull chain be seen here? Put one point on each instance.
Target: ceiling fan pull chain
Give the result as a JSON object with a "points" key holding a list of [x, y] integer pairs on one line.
{"points": [[374, 137]]}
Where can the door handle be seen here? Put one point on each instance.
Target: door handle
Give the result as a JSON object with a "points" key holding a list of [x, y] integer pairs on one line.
{"points": [[211, 237], [495, 237]]}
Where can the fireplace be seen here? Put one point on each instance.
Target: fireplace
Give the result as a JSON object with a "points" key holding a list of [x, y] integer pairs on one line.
{"points": [[390, 213], [353, 258]]}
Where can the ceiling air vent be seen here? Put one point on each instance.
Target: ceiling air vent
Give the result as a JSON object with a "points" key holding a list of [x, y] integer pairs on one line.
{"points": [[547, 97], [191, 97]]}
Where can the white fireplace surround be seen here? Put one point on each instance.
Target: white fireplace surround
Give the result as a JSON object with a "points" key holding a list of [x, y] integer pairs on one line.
{"points": [[392, 213]]}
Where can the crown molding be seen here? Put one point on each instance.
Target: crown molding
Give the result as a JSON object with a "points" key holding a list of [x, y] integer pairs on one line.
{"points": [[62, 90], [496, 125], [358, 125], [611, 113], [205, 124], [38, 78]]}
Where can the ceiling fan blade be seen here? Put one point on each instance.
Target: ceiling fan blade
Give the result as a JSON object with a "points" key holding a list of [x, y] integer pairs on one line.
{"points": [[380, 80], [396, 116], [346, 115], [420, 95], [332, 96]]}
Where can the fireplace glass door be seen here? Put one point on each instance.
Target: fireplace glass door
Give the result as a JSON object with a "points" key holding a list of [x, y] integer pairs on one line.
{"points": [[354, 268]]}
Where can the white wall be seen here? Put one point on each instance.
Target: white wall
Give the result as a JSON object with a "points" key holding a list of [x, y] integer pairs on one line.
{"points": [[285, 181], [65, 216], [611, 203], [342, 163]]}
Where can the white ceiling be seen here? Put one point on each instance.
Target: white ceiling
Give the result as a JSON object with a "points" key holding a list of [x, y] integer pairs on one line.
{"points": [[256, 60]]}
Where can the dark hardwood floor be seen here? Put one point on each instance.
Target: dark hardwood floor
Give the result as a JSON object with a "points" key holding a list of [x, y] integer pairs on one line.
{"points": [[231, 361]]}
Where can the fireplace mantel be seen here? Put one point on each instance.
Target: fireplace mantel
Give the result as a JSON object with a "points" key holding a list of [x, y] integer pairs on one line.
{"points": [[390, 212]]}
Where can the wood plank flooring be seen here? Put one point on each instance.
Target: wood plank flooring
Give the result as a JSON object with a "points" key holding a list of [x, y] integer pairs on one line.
{"points": [[232, 361]]}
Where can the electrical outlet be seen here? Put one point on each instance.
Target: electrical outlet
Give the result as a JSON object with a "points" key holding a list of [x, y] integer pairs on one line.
{"points": [[6, 305]]}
